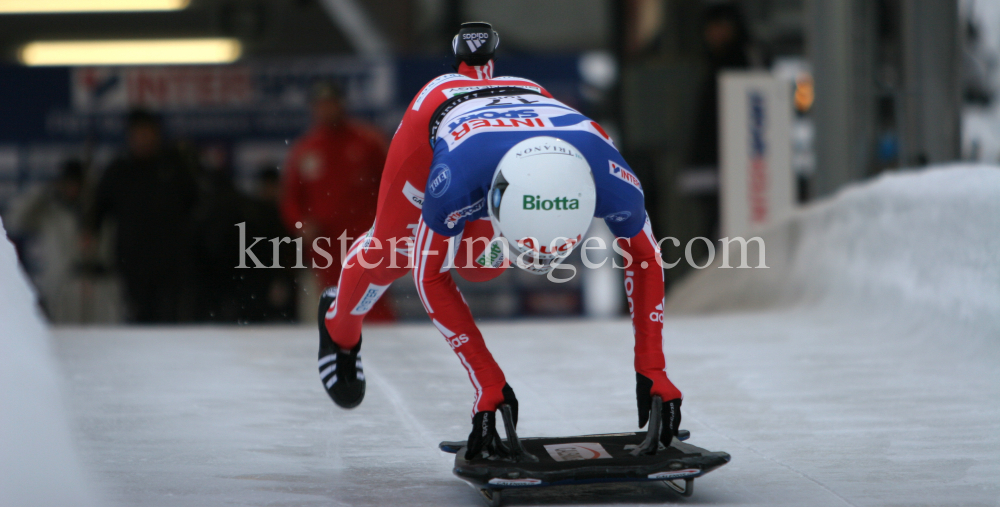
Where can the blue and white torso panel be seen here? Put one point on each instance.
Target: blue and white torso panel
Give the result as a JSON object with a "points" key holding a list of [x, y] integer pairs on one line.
{"points": [[473, 137]]}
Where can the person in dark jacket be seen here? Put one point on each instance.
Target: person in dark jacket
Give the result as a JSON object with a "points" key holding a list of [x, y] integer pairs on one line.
{"points": [[228, 293], [727, 47], [272, 291], [150, 192]]}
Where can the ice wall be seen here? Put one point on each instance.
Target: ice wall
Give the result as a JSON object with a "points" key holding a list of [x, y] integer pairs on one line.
{"points": [[38, 463], [908, 242]]}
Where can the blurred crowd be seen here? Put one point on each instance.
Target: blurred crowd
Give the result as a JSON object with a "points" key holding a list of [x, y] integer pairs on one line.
{"points": [[154, 237]]}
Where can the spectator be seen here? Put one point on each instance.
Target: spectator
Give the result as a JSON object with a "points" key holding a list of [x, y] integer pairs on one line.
{"points": [[727, 46], [150, 192], [272, 291], [331, 184], [218, 284], [47, 220]]}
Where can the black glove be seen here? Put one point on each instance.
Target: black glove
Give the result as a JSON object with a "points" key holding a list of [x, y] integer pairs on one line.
{"points": [[484, 436], [671, 413]]}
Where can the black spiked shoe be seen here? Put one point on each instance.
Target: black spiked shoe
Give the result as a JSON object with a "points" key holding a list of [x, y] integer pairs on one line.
{"points": [[340, 370]]}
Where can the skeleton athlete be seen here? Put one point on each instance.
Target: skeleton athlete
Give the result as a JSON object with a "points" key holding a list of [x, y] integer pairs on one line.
{"points": [[479, 159]]}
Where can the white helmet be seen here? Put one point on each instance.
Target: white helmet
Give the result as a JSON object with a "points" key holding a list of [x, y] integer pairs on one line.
{"points": [[542, 201]]}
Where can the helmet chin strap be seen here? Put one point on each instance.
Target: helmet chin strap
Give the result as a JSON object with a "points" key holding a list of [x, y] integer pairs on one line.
{"points": [[497, 233]]}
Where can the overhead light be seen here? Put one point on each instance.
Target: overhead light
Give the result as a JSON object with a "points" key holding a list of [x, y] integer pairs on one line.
{"points": [[56, 6], [131, 52]]}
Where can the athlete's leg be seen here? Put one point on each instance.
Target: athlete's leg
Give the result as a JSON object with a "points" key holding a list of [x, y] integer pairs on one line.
{"points": [[371, 265]]}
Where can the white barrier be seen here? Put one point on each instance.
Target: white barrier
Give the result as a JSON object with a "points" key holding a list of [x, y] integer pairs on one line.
{"points": [[38, 462], [924, 242]]}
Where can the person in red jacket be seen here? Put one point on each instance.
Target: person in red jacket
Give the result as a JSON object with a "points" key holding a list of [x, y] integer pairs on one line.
{"points": [[330, 185]]}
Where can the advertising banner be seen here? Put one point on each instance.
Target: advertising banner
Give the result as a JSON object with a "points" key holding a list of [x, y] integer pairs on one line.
{"points": [[757, 184]]}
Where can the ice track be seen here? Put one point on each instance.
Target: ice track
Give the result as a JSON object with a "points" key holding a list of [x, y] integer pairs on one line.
{"points": [[861, 369], [815, 410]]}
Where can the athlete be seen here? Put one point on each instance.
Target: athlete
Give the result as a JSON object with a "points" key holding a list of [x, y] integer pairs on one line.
{"points": [[480, 165]]}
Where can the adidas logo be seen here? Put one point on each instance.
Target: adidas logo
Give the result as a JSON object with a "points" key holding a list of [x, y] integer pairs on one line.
{"points": [[328, 374], [475, 40], [657, 315]]}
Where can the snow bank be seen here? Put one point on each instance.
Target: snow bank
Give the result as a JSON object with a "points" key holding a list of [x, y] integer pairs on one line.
{"points": [[925, 241], [38, 464]]}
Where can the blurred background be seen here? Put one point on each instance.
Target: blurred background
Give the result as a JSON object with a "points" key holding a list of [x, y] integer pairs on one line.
{"points": [[137, 136]]}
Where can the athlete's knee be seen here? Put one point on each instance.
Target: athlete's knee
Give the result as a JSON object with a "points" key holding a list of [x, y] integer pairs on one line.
{"points": [[375, 252]]}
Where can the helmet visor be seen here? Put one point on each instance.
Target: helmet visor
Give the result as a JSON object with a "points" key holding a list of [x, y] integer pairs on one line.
{"points": [[497, 189]]}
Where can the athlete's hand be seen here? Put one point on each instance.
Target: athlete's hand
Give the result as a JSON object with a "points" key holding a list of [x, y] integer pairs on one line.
{"points": [[671, 414], [484, 436]]}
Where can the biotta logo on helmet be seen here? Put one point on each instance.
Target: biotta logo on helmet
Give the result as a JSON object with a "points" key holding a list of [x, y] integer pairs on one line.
{"points": [[439, 180], [535, 202], [475, 40]]}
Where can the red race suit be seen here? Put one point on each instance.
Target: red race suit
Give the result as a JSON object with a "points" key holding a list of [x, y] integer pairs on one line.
{"points": [[400, 240]]}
